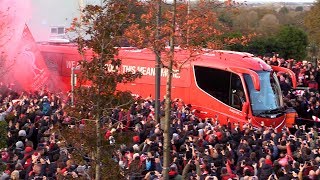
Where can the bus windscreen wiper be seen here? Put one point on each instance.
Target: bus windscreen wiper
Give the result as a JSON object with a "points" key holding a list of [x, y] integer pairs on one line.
{"points": [[272, 111]]}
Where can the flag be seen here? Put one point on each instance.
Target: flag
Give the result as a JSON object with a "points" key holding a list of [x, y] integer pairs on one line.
{"points": [[29, 70]]}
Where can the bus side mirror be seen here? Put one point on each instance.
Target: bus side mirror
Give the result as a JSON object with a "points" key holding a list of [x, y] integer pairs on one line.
{"points": [[245, 107], [291, 73]]}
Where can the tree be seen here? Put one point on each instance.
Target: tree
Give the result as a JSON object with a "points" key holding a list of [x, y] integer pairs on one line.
{"points": [[284, 10], [268, 25], [292, 43], [246, 21], [312, 22], [99, 31], [166, 133], [297, 19], [226, 19], [189, 29], [263, 46]]}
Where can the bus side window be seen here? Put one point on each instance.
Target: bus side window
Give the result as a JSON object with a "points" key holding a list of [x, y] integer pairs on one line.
{"points": [[214, 82], [237, 93]]}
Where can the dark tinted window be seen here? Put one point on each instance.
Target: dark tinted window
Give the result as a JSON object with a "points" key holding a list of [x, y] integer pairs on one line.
{"points": [[223, 85], [214, 82]]}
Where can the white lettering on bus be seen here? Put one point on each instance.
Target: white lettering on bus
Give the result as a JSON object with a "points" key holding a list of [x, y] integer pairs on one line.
{"points": [[148, 71], [127, 68], [73, 64], [70, 64], [164, 72], [145, 71], [111, 68]]}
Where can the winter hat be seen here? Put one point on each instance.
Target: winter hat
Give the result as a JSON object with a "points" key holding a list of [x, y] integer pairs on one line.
{"points": [[22, 133], [175, 136], [28, 149], [136, 139], [19, 144], [174, 166]]}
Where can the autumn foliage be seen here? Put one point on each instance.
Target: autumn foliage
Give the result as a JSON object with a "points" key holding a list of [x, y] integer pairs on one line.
{"points": [[197, 27]]}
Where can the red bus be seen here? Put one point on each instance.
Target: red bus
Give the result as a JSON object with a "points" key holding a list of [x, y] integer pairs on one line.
{"points": [[232, 86]]}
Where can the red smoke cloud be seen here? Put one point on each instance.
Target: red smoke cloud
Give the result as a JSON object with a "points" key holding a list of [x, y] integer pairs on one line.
{"points": [[23, 64]]}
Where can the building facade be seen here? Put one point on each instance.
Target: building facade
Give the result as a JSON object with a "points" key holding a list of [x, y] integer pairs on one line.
{"points": [[50, 18]]}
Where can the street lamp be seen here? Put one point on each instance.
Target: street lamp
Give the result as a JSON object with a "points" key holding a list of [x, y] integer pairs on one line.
{"points": [[313, 52]]}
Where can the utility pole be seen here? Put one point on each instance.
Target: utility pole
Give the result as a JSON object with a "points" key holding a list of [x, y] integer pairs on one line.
{"points": [[158, 66]]}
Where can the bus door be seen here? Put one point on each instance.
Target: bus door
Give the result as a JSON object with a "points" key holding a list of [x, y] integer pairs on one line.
{"points": [[221, 92]]}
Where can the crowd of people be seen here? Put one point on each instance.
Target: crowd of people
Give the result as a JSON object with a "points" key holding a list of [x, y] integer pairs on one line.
{"points": [[34, 151], [306, 99], [200, 148], [205, 149]]}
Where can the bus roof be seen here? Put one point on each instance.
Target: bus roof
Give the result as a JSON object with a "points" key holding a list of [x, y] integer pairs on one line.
{"points": [[221, 59]]}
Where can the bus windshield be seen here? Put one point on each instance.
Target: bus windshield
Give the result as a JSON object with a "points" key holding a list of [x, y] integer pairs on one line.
{"points": [[269, 99]]}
